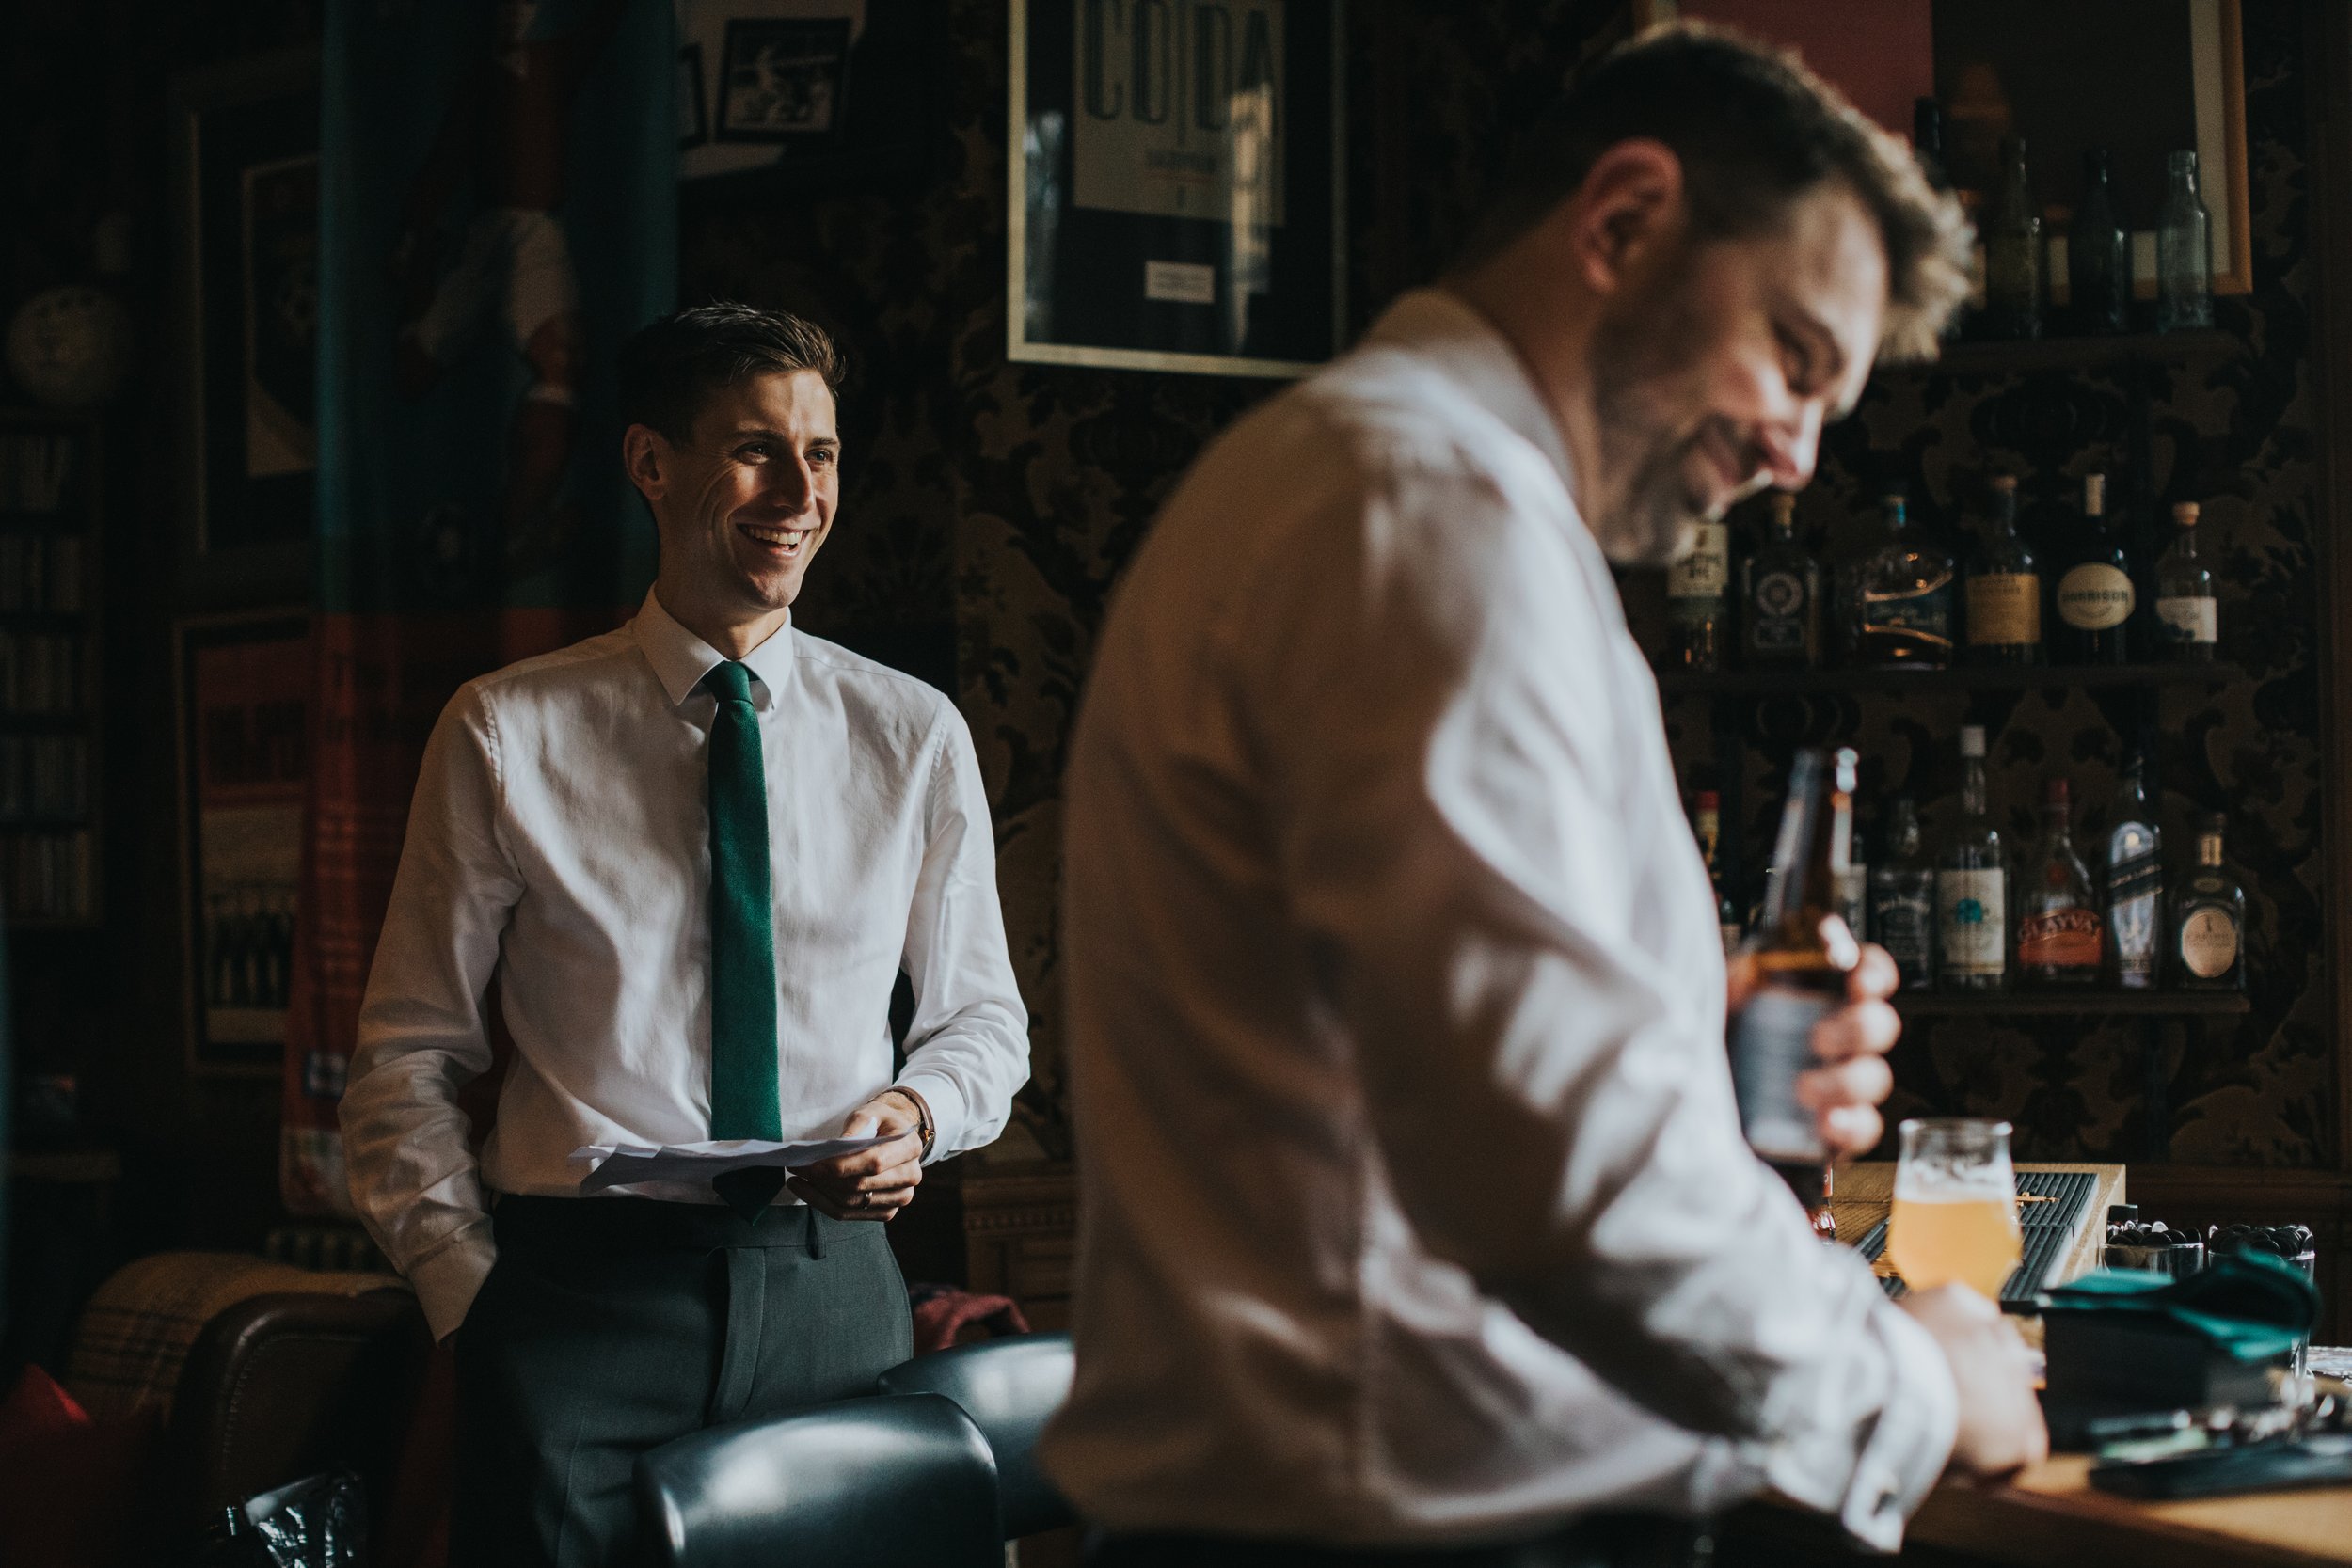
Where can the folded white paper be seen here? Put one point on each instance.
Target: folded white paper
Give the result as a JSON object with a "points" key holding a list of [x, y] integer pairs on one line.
{"points": [[603, 1166]]}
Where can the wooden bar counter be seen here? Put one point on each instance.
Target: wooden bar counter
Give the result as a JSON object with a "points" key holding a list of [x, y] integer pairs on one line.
{"points": [[2050, 1517]]}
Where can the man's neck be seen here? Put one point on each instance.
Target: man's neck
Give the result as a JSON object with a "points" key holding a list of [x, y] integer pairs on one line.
{"points": [[733, 633], [1552, 334]]}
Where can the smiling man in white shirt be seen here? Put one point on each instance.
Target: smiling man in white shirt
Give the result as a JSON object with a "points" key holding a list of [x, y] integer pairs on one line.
{"points": [[693, 854], [1418, 1224]]}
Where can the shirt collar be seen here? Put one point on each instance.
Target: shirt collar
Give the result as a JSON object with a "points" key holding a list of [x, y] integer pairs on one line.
{"points": [[680, 659], [1441, 327]]}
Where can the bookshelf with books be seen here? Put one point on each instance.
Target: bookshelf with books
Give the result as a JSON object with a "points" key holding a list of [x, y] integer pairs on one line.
{"points": [[51, 523]]}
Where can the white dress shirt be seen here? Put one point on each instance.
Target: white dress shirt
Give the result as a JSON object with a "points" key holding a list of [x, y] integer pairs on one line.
{"points": [[560, 843], [1416, 1206]]}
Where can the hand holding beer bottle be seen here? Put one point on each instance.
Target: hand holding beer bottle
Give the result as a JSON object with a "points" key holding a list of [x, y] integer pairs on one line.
{"points": [[1810, 1025]]}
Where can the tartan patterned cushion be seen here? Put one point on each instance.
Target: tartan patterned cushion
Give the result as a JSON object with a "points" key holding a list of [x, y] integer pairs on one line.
{"points": [[136, 1330]]}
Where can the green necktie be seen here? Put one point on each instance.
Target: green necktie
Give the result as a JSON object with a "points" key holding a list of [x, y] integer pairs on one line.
{"points": [[743, 1099]]}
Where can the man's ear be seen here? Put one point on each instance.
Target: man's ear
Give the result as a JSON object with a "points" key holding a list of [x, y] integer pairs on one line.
{"points": [[646, 458], [1628, 209]]}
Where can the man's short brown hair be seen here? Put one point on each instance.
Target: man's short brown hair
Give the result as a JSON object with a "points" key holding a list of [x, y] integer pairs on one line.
{"points": [[670, 368], [1755, 131]]}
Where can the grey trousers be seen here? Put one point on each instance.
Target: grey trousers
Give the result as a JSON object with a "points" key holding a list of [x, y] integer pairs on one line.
{"points": [[609, 1326]]}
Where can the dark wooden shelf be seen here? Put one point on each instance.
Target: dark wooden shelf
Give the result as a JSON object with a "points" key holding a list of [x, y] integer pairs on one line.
{"points": [[2067, 354], [1808, 683], [2029, 1004]]}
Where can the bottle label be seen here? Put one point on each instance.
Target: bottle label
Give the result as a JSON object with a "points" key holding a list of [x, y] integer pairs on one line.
{"points": [[1903, 921], [1851, 890], [1926, 612], [1706, 572], [2135, 903], [2062, 939], [1972, 917], [2209, 939], [2095, 596], [2004, 610], [2190, 620], [1771, 1042], [1777, 622]]}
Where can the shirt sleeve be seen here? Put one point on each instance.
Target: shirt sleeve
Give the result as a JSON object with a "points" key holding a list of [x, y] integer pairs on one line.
{"points": [[1446, 734], [423, 1033], [968, 1047]]}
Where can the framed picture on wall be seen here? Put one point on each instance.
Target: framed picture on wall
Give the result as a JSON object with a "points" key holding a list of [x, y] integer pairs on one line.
{"points": [[1178, 176], [244, 686], [2140, 78], [805, 93], [245, 178]]}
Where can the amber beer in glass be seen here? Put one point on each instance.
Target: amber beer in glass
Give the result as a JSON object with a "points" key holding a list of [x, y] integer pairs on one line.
{"points": [[1803, 952], [1955, 1219]]}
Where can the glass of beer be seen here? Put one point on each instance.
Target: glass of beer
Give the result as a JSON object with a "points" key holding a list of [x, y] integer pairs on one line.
{"points": [[1955, 1218]]}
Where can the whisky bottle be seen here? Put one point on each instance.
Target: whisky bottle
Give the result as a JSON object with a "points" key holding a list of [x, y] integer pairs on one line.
{"points": [[1780, 596], [1803, 953], [2014, 260], [2095, 596], [1904, 598], [2135, 890], [1707, 825], [1695, 605], [2002, 593], [2061, 938], [1902, 897], [2098, 254], [2187, 616], [1972, 884], [2209, 919]]}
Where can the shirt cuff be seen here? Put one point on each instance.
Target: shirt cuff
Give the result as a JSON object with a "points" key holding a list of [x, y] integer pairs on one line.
{"points": [[949, 1117], [1910, 1439], [447, 1280]]}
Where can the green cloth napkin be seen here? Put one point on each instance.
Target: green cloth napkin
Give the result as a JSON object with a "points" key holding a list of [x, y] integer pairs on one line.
{"points": [[2246, 1305]]}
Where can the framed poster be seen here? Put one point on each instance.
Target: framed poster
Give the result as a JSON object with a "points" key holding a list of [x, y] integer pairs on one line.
{"points": [[245, 167], [1178, 178], [2142, 78], [806, 92], [245, 686]]}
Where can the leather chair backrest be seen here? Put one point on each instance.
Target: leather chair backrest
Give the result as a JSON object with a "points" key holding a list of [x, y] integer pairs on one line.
{"points": [[863, 1483], [1011, 1387]]}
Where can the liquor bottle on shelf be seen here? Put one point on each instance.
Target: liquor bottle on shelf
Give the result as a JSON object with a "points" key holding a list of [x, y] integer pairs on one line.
{"points": [[1780, 596], [2209, 918], [1902, 897], [1707, 825], [2096, 595], [2135, 890], [2002, 592], [2184, 251], [2098, 255], [2061, 940], [2014, 260], [1803, 956], [1904, 598], [2188, 617], [1972, 884], [1695, 605]]}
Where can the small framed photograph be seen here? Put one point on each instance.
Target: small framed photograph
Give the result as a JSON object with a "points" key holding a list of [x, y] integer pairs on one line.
{"points": [[245, 693], [1176, 197], [782, 78], [693, 109], [246, 174]]}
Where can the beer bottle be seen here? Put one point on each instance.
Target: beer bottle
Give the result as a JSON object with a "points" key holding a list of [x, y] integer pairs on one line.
{"points": [[1803, 952]]}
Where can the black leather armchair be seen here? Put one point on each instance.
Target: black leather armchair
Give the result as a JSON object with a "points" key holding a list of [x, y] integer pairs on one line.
{"points": [[863, 1483], [1011, 1387]]}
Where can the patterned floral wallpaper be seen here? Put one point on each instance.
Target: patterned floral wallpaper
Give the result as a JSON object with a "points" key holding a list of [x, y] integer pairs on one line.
{"points": [[991, 506]]}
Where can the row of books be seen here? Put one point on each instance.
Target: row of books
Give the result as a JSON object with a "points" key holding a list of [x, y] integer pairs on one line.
{"points": [[42, 572], [43, 776], [42, 672], [35, 467], [49, 876]]}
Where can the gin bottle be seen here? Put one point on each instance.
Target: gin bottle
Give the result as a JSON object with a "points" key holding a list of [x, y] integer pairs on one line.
{"points": [[2187, 616], [2209, 919], [1904, 598], [2135, 890], [1902, 897], [1972, 884], [1780, 596]]}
